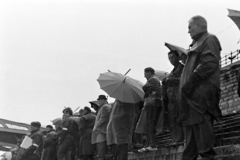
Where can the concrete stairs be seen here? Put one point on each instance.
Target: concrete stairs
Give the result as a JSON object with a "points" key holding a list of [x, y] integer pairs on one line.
{"points": [[227, 143]]}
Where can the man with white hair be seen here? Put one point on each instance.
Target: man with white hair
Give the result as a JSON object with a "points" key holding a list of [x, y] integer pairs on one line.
{"points": [[200, 91]]}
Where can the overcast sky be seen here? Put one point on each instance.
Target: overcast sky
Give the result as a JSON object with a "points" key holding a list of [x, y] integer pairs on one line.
{"points": [[52, 52]]}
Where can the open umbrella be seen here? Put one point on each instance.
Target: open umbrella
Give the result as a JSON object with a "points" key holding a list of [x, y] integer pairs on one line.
{"points": [[121, 87], [172, 47], [161, 74], [235, 16]]}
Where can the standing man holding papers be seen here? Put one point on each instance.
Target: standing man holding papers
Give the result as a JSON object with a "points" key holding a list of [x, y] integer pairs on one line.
{"points": [[34, 152]]}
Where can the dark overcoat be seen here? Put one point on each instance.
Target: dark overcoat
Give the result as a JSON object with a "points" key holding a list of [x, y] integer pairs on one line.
{"points": [[86, 126]]}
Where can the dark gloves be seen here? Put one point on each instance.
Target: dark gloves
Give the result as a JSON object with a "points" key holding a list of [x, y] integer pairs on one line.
{"points": [[193, 80]]}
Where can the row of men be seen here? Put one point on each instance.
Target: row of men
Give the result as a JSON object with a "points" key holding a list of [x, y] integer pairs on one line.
{"points": [[81, 137], [190, 96]]}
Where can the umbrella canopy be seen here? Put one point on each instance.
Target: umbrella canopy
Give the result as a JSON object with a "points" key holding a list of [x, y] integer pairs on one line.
{"points": [[57, 122], [161, 74], [172, 47], [121, 87], [235, 16]]}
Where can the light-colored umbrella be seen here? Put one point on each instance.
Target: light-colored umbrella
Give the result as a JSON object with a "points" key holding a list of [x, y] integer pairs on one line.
{"points": [[235, 16], [121, 87], [172, 47], [161, 74], [57, 122]]}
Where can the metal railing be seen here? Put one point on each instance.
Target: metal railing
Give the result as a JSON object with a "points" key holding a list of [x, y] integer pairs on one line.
{"points": [[230, 58]]}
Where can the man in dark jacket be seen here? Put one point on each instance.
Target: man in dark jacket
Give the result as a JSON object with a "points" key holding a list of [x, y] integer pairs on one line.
{"points": [[34, 152], [50, 145], [170, 97], [68, 137], [152, 104], [86, 148], [200, 91]]}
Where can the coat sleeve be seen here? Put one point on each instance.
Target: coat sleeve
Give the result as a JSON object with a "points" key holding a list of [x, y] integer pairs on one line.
{"points": [[37, 140], [82, 124], [104, 116], [208, 64], [209, 58]]}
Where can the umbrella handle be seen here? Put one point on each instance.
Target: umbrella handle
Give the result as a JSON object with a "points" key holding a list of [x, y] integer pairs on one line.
{"points": [[127, 72]]}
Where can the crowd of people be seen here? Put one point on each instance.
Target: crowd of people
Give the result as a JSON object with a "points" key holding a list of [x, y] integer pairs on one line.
{"points": [[186, 103]]}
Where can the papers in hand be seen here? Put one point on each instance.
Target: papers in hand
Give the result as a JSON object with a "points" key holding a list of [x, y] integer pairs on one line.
{"points": [[26, 143]]}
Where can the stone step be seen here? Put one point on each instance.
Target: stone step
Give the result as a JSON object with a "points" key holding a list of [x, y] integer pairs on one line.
{"points": [[229, 152], [227, 134], [230, 115], [231, 140], [230, 128], [225, 124]]}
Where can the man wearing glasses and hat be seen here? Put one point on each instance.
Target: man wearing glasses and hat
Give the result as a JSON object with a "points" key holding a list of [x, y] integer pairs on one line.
{"points": [[100, 127], [34, 152]]}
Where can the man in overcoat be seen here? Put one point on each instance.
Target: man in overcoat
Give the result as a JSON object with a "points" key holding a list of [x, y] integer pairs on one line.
{"points": [[85, 127], [120, 128], [200, 91], [100, 127]]}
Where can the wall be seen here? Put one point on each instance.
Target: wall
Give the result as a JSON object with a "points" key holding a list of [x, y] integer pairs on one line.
{"points": [[230, 101]]}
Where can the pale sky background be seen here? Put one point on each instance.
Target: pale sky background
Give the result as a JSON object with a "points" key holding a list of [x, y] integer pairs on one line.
{"points": [[52, 52]]}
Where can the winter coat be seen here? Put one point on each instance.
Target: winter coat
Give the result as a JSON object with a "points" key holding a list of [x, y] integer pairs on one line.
{"points": [[121, 123]]}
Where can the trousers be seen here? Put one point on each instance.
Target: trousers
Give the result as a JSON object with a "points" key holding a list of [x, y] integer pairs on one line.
{"points": [[64, 149], [200, 140], [152, 114], [120, 151], [101, 150]]}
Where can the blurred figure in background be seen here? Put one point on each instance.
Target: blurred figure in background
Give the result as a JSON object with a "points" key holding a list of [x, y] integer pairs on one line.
{"points": [[50, 145], [86, 148], [120, 129], [34, 152], [100, 127], [68, 137]]}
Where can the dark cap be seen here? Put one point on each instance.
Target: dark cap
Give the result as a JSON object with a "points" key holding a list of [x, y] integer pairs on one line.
{"points": [[102, 97], [87, 109], [36, 124], [49, 126]]}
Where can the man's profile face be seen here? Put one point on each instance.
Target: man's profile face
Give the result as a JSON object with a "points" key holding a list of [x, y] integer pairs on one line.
{"points": [[173, 58], [65, 113], [34, 128], [147, 75], [193, 29], [48, 129], [85, 111], [101, 101]]}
